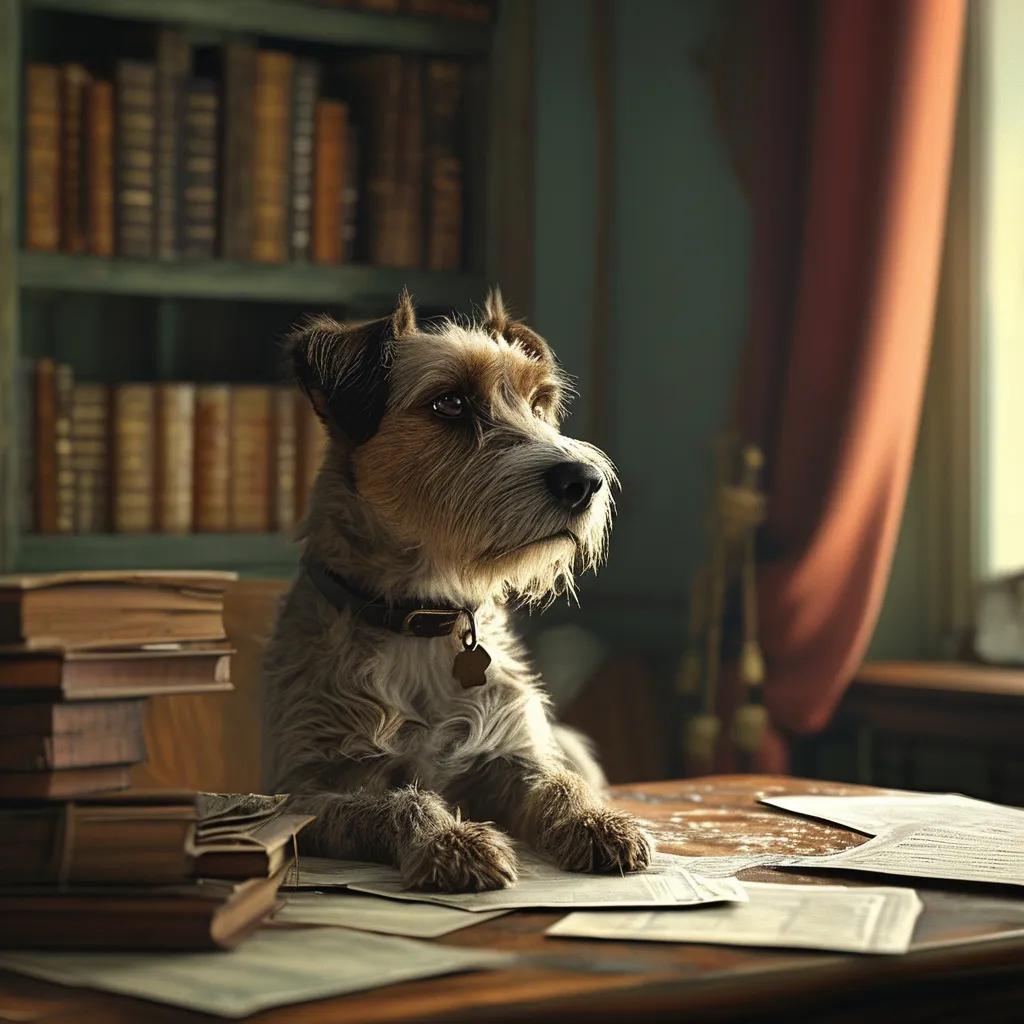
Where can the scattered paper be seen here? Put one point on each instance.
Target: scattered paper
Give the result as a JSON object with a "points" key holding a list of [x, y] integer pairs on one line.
{"points": [[878, 813], [373, 914], [541, 885], [324, 873], [728, 866], [990, 854], [852, 920], [275, 967]]}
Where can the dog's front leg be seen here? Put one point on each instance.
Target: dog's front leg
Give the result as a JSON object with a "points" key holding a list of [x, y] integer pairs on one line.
{"points": [[552, 808], [413, 829]]}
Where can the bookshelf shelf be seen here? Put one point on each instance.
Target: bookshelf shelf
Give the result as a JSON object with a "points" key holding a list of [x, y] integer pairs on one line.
{"points": [[295, 19], [250, 554], [326, 284]]}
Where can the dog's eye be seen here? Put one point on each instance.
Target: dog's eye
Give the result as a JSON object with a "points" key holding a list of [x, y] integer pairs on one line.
{"points": [[449, 406]]}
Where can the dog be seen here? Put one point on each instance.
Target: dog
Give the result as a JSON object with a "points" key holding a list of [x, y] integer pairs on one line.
{"points": [[402, 711]]}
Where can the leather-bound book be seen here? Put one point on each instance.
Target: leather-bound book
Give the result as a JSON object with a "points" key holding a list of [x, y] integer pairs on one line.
{"points": [[175, 457], [213, 459], [303, 127], [90, 457], [25, 397], [42, 158], [134, 464], [99, 168], [197, 181], [413, 161], [272, 116], [329, 181], [136, 159], [45, 447], [350, 219], [285, 459], [173, 64], [63, 398], [250, 458], [74, 86], [237, 151], [444, 171]]}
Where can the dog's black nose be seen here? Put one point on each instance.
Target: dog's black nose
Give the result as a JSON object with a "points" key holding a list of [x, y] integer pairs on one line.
{"points": [[574, 484]]}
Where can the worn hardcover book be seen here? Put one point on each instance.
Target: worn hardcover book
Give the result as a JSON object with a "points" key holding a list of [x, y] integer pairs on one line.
{"points": [[62, 784], [136, 159], [272, 115], [304, 99], [102, 609], [90, 457], [134, 458], [213, 458], [197, 200], [42, 158], [99, 168], [444, 173], [25, 397], [412, 163], [74, 87], [67, 676], [63, 400], [285, 459], [173, 64], [250, 458], [45, 474], [350, 210], [329, 180], [175, 456], [237, 150]]}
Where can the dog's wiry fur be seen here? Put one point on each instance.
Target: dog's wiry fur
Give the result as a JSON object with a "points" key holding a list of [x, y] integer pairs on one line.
{"points": [[370, 731]]}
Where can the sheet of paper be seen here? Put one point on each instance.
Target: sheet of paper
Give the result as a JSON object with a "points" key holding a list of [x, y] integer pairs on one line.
{"points": [[728, 866], [541, 885], [874, 814], [373, 914], [324, 873], [990, 854], [275, 967], [853, 920]]}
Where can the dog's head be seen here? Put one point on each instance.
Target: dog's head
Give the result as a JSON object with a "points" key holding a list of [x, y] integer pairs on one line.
{"points": [[449, 436]]}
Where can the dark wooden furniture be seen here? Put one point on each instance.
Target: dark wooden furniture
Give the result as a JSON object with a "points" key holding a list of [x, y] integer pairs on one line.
{"points": [[576, 980]]}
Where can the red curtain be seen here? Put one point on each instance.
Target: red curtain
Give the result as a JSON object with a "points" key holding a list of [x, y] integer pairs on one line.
{"points": [[852, 113]]}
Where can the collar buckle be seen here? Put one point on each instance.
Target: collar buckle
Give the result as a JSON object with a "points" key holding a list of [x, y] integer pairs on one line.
{"points": [[430, 622]]}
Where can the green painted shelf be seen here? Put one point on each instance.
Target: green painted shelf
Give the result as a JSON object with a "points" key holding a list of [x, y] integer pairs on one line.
{"points": [[249, 554], [295, 19], [290, 282]]}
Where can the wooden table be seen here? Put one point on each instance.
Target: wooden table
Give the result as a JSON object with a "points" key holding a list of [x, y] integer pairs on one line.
{"points": [[588, 981]]}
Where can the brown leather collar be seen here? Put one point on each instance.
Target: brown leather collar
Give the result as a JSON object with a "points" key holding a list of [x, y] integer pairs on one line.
{"points": [[407, 618]]}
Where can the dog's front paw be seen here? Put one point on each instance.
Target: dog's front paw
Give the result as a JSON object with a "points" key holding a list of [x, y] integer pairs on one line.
{"points": [[600, 840], [466, 857]]}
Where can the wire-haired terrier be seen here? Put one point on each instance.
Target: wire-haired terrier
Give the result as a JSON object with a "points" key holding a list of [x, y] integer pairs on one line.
{"points": [[402, 711]]}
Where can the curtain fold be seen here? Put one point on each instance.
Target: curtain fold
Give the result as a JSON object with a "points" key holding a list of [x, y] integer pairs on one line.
{"points": [[852, 116]]}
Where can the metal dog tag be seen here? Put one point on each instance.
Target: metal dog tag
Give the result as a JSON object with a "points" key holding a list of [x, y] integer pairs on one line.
{"points": [[470, 667]]}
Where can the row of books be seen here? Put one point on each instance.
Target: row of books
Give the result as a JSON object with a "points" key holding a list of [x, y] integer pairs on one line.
{"points": [[479, 11], [163, 458], [88, 862], [246, 154]]}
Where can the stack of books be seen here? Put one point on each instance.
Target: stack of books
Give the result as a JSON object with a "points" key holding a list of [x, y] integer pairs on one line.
{"points": [[88, 862]]}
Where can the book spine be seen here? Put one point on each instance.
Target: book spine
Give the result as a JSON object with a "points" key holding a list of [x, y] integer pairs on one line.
{"points": [[136, 157], [250, 458], [63, 399], [272, 102], [444, 167], [312, 444], [134, 422], [350, 196], [99, 168], [237, 151], [46, 448], [285, 459], [90, 457], [74, 82], [173, 63], [175, 457], [198, 178], [412, 165], [25, 396], [42, 158], [307, 85], [329, 181], [212, 458]]}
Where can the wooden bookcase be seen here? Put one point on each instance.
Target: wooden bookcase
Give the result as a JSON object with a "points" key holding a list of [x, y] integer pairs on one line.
{"points": [[76, 297]]}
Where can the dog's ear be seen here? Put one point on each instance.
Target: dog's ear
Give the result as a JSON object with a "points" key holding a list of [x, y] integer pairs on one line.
{"points": [[344, 369], [499, 323]]}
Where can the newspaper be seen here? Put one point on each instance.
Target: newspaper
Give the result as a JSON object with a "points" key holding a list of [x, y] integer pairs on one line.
{"points": [[852, 920], [878, 813], [276, 967], [980, 854], [541, 885], [373, 914]]}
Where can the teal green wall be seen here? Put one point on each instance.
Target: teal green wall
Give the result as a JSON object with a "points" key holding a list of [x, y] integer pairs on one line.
{"points": [[681, 241]]}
